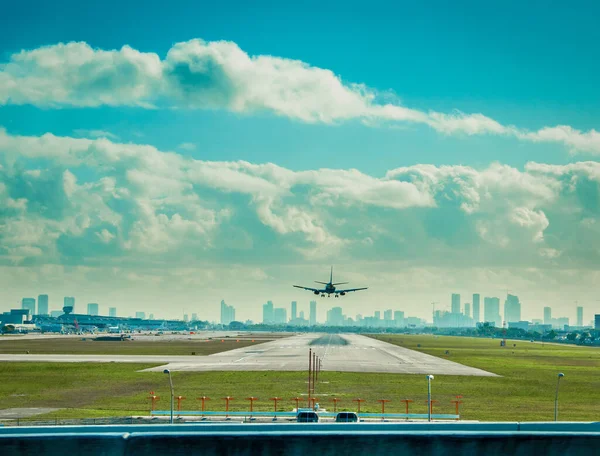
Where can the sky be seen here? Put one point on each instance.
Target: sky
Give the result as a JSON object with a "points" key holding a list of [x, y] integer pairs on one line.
{"points": [[164, 157]]}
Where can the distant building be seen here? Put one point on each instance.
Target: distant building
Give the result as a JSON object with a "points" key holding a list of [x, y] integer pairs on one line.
{"points": [[268, 315], [512, 308], [15, 316], [186, 317], [387, 317], [312, 319], [56, 313], [491, 311], [580, 316], [524, 325], [68, 304], [547, 315], [29, 305], [227, 313], [455, 309], [398, 319], [42, 304], [151, 316], [112, 311], [476, 315], [377, 315], [302, 315], [335, 317], [92, 308], [597, 322], [294, 314], [141, 315], [279, 316], [467, 309], [194, 317]]}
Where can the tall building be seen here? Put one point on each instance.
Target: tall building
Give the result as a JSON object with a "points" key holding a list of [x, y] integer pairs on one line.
{"points": [[141, 315], [467, 309], [377, 315], [491, 311], [476, 314], [597, 322], [387, 315], [194, 317], [268, 317], [112, 311], [42, 305], [512, 309], [547, 315], [312, 316], [455, 309], [294, 310], [335, 317], [69, 302], [579, 316], [29, 305], [279, 316], [302, 315], [399, 319], [92, 308], [227, 313]]}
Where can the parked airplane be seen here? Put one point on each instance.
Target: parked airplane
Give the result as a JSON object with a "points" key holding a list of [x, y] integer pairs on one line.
{"points": [[330, 288]]}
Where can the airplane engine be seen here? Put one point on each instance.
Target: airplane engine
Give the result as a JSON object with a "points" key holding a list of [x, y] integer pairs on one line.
{"points": [[343, 294], [316, 292]]}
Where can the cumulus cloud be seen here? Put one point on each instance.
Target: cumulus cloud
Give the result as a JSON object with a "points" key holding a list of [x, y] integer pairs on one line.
{"points": [[219, 75], [81, 201]]}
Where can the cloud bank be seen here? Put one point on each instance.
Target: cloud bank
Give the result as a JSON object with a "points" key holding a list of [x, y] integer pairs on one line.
{"points": [[219, 75], [89, 202]]}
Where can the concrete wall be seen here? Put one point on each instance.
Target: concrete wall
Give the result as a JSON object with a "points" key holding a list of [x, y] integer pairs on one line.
{"points": [[490, 439]]}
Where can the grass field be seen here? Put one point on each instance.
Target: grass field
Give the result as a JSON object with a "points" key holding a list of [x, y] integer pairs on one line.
{"points": [[525, 390]]}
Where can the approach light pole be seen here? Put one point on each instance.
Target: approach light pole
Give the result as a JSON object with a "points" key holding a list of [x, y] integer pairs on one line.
{"points": [[560, 375], [167, 371], [429, 378]]}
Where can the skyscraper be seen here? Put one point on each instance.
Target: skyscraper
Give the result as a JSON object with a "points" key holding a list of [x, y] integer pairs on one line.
{"points": [[29, 304], [491, 311], [512, 309], [69, 302], [279, 316], [112, 311], [467, 309], [335, 317], [387, 315], [399, 318], [579, 316], [547, 315], [194, 317], [227, 313], [455, 303], [268, 317], [294, 310], [312, 316], [43, 304], [476, 314], [92, 308]]}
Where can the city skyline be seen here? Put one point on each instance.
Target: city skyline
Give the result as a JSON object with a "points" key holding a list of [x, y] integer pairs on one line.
{"points": [[493, 310]]}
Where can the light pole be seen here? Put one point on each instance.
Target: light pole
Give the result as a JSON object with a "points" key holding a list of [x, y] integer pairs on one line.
{"points": [[429, 378], [167, 371], [560, 375]]}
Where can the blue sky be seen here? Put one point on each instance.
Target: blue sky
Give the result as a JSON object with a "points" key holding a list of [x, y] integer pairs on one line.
{"points": [[472, 137]]}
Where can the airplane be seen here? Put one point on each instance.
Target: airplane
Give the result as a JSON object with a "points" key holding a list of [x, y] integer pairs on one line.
{"points": [[330, 288]]}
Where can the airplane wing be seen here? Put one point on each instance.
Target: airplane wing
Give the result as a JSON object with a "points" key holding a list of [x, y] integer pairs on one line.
{"points": [[310, 289], [350, 289]]}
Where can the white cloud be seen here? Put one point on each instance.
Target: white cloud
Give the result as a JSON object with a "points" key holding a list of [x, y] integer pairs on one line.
{"points": [[187, 146], [219, 75]]}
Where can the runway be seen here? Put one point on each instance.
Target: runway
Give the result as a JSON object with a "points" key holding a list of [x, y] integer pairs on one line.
{"points": [[344, 353]]}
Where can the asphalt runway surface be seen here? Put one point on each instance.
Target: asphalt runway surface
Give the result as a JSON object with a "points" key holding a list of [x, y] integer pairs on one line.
{"points": [[343, 353]]}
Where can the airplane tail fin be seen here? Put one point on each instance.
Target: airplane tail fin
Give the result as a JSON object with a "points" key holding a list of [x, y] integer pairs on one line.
{"points": [[331, 275]]}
